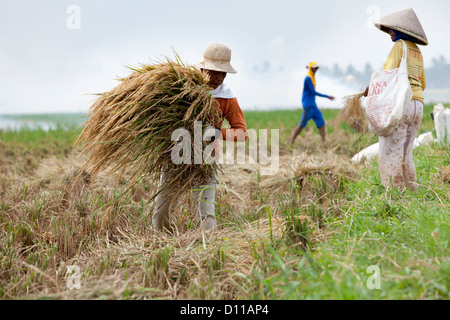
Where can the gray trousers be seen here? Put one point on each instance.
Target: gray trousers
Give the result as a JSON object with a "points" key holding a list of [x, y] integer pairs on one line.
{"points": [[205, 197]]}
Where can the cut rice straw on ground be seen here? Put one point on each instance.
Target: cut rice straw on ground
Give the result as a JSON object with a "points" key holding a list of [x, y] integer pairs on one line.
{"points": [[130, 127]]}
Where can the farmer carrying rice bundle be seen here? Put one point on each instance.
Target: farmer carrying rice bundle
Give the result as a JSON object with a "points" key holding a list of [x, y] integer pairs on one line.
{"points": [[216, 64], [130, 129], [396, 150], [310, 109]]}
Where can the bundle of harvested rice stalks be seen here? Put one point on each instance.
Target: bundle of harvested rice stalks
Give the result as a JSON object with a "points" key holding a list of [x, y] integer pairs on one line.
{"points": [[353, 114], [130, 127]]}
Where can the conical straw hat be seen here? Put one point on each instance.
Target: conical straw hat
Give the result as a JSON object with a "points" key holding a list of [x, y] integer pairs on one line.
{"points": [[405, 21], [217, 57]]}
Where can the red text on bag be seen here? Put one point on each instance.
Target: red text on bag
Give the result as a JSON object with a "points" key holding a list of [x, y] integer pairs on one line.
{"points": [[377, 88]]}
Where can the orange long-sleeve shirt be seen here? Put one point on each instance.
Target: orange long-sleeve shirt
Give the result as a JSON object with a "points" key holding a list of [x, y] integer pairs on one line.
{"points": [[235, 117]]}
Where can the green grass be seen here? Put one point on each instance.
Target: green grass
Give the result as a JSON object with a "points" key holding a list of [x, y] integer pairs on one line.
{"points": [[35, 136], [285, 120], [403, 233]]}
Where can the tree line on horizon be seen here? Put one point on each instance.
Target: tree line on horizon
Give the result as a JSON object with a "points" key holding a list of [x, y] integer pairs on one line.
{"points": [[437, 76]]}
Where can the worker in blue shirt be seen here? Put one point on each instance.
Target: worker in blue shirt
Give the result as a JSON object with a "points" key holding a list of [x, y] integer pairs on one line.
{"points": [[310, 110]]}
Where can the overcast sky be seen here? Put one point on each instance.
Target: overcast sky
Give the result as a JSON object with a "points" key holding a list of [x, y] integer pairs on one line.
{"points": [[51, 61]]}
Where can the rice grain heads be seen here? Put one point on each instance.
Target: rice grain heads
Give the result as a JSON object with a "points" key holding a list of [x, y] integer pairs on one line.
{"points": [[129, 129]]}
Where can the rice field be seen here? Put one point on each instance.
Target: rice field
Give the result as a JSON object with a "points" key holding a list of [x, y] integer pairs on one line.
{"points": [[322, 228]]}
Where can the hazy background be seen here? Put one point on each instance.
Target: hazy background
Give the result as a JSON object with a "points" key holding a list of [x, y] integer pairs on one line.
{"points": [[51, 61]]}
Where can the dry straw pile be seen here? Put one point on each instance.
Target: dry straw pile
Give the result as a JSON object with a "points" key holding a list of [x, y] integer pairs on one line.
{"points": [[353, 113], [130, 127]]}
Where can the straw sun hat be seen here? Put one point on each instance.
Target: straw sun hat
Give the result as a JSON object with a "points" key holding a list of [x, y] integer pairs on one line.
{"points": [[405, 21], [217, 57]]}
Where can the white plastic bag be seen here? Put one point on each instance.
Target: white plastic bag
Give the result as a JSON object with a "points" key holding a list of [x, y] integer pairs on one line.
{"points": [[389, 95], [442, 123], [424, 139], [368, 153]]}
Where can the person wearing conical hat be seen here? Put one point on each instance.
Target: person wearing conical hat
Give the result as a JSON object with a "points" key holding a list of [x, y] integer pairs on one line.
{"points": [[396, 162], [310, 109], [216, 64]]}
